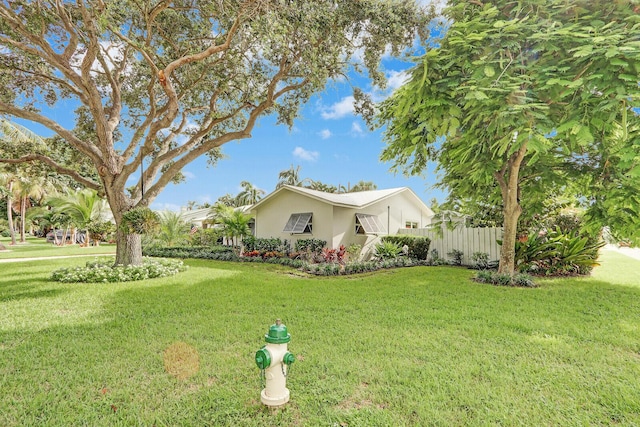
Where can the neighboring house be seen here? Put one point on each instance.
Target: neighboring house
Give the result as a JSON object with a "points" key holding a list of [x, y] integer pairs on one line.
{"points": [[203, 218], [197, 217], [295, 213]]}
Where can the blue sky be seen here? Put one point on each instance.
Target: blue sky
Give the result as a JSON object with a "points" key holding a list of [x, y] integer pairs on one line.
{"points": [[328, 142]]}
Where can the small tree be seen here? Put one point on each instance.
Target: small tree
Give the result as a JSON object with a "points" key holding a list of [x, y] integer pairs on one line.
{"points": [[519, 98]]}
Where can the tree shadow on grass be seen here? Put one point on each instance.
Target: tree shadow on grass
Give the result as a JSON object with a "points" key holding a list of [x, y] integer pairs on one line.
{"points": [[12, 290], [45, 293]]}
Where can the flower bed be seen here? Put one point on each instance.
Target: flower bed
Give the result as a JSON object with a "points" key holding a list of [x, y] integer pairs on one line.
{"points": [[102, 270]]}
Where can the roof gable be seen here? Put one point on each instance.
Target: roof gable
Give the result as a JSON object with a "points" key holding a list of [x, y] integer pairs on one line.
{"points": [[359, 199]]}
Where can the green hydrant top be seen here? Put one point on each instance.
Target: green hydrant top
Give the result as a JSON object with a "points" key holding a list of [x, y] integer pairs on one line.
{"points": [[277, 334]]}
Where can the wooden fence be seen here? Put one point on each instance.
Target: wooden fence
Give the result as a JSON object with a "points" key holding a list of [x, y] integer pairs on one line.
{"points": [[467, 240]]}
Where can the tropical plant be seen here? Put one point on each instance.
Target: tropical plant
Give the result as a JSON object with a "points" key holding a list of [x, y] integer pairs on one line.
{"points": [[555, 252], [387, 250], [140, 221], [99, 231], [82, 207], [291, 176], [249, 194], [235, 224], [363, 186], [456, 256], [173, 231]]}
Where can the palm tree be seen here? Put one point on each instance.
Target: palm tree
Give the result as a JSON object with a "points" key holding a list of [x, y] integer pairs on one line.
{"points": [[14, 135], [249, 194], [363, 186], [291, 176], [235, 224], [82, 207], [320, 186], [26, 189], [173, 229]]}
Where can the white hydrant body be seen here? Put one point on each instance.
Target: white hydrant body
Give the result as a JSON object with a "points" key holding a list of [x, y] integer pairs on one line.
{"points": [[276, 392], [275, 360]]}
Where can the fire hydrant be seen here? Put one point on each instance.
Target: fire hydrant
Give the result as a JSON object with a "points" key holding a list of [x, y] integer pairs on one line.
{"points": [[274, 360]]}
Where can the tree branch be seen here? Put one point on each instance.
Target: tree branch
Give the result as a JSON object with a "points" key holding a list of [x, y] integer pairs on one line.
{"points": [[58, 168]]}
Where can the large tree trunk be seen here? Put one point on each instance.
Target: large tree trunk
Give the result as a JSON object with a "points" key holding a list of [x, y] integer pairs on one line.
{"points": [[12, 231], [508, 179], [128, 248]]}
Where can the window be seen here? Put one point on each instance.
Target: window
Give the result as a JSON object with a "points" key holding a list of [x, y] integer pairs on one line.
{"points": [[368, 224], [299, 223], [410, 224]]}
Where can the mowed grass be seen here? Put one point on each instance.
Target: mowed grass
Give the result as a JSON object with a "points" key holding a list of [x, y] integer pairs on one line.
{"points": [[38, 247], [407, 347]]}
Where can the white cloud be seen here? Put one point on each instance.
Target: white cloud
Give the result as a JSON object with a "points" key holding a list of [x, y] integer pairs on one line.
{"points": [[302, 154], [325, 134], [356, 129], [395, 79], [188, 175], [340, 109]]}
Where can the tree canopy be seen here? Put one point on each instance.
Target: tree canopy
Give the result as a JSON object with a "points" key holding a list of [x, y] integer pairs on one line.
{"points": [[518, 98], [163, 83]]}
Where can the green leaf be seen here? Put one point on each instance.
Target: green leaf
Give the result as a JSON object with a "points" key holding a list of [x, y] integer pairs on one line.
{"points": [[489, 71]]}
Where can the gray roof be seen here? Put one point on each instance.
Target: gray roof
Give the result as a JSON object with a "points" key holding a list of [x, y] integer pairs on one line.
{"points": [[359, 199]]}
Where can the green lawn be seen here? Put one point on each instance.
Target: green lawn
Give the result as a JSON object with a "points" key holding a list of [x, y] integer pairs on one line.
{"points": [[38, 247], [407, 347]]}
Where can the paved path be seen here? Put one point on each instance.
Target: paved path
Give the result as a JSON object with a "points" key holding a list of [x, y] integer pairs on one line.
{"points": [[52, 257], [630, 252]]}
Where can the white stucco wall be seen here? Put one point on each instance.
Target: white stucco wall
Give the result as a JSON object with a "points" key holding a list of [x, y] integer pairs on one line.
{"points": [[334, 224], [272, 216]]}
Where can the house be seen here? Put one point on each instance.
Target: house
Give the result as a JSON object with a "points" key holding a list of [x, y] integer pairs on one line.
{"points": [[203, 218], [295, 213]]}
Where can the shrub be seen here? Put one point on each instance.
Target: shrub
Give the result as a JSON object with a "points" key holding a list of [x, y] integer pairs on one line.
{"points": [[334, 255], [387, 250], [435, 258], [556, 253], [353, 251], [103, 270], [418, 245], [456, 256], [99, 231], [205, 237], [310, 245], [481, 260], [272, 244], [214, 252]]}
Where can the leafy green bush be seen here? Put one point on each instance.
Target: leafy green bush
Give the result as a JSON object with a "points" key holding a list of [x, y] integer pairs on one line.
{"points": [[205, 237], [100, 231], [456, 256], [212, 252], [418, 245], [435, 258], [556, 253], [481, 260], [272, 244], [387, 250], [353, 252], [103, 270], [311, 245], [140, 221]]}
